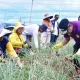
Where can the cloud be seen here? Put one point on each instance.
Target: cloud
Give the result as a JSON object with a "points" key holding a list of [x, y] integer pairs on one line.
{"points": [[15, 1], [12, 10], [4, 6]]}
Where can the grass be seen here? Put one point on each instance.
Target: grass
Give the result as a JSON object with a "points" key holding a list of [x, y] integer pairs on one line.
{"points": [[44, 66]]}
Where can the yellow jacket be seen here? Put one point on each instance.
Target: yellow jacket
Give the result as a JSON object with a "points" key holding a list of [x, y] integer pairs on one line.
{"points": [[16, 40], [10, 50]]}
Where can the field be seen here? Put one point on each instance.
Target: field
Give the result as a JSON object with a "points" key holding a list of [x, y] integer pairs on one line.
{"points": [[44, 65]]}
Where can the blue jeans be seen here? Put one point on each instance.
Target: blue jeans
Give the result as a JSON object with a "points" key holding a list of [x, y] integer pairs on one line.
{"points": [[53, 38], [29, 37]]}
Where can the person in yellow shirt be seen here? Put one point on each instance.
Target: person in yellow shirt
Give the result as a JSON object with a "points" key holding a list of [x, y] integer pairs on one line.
{"points": [[16, 38], [5, 45]]}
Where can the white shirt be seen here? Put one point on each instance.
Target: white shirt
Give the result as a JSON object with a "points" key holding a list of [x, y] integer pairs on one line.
{"points": [[55, 29], [32, 29]]}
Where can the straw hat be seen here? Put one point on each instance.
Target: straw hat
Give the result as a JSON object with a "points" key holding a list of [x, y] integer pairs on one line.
{"points": [[3, 31], [47, 16]]}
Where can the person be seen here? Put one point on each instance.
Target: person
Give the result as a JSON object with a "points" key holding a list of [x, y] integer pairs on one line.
{"points": [[45, 36], [55, 33], [71, 29], [17, 39], [9, 28], [6, 46], [33, 30]]}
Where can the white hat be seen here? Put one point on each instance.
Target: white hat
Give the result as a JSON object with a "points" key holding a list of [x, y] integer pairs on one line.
{"points": [[47, 16], [19, 26], [9, 27], [3, 31]]}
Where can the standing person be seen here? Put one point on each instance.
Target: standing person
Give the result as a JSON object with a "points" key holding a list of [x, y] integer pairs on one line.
{"points": [[45, 36], [55, 32], [71, 29], [5, 45], [33, 30]]}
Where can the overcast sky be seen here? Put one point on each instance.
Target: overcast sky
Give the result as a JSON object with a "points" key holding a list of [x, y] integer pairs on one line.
{"points": [[15, 10]]}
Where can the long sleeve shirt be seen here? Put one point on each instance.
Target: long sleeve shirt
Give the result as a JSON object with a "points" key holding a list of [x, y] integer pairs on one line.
{"points": [[32, 29], [6, 45]]}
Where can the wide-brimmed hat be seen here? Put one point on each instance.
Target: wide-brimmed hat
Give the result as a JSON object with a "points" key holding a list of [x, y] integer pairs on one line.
{"points": [[47, 16], [18, 25], [3, 31]]}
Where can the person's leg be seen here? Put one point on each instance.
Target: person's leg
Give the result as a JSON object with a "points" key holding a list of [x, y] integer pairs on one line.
{"points": [[48, 38], [75, 48], [43, 39], [52, 38], [76, 63], [55, 38], [29, 38]]}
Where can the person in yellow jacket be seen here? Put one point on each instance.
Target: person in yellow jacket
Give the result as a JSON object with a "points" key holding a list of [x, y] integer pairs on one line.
{"points": [[17, 39], [5, 45]]}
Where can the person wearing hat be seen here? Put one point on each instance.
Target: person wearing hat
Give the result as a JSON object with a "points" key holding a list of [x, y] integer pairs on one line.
{"points": [[55, 33], [17, 39], [71, 29], [45, 36], [9, 28], [5, 45], [33, 30]]}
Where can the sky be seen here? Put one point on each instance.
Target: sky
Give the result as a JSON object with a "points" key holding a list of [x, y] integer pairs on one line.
{"points": [[32, 11]]}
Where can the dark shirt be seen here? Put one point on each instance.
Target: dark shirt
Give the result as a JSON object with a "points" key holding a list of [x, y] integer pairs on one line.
{"points": [[76, 32], [3, 44]]}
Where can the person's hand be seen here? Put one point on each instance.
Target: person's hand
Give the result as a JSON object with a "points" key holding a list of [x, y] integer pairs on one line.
{"points": [[73, 56], [25, 42], [25, 45], [78, 52], [19, 63], [57, 46], [77, 56], [29, 46], [3, 60], [52, 31]]}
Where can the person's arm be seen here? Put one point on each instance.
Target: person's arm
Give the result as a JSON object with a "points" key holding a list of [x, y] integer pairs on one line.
{"points": [[10, 50], [13, 54], [35, 37], [25, 44], [64, 42]]}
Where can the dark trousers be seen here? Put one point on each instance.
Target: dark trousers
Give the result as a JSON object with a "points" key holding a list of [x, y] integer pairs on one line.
{"points": [[53, 38], [29, 38], [76, 63]]}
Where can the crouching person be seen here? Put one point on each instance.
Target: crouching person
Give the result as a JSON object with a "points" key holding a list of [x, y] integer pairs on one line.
{"points": [[71, 29], [5, 45], [17, 40]]}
